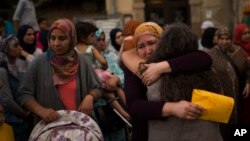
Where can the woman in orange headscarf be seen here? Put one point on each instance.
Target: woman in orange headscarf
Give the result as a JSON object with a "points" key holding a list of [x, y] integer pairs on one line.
{"points": [[146, 36]]}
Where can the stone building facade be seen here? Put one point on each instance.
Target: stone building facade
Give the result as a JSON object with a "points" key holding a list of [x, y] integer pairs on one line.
{"points": [[192, 12], [221, 12]]}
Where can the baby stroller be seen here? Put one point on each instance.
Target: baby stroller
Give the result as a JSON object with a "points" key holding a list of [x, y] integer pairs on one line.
{"points": [[72, 126]]}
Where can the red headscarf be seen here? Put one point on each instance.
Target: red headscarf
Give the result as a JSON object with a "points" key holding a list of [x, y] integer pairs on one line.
{"points": [[238, 32]]}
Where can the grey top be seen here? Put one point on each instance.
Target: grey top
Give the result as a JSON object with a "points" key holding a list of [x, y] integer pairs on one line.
{"points": [[38, 84], [175, 129], [6, 98]]}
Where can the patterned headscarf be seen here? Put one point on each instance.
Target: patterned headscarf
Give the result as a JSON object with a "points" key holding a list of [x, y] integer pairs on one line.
{"points": [[98, 33], [223, 31], [64, 67], [13, 68], [8, 42], [147, 28]]}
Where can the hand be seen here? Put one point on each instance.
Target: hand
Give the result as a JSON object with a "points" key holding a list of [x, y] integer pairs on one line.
{"points": [[87, 105], [184, 110], [48, 115], [246, 91], [111, 83], [151, 74]]}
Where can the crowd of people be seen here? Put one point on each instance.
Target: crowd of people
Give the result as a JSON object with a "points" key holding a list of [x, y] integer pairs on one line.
{"points": [[148, 77]]}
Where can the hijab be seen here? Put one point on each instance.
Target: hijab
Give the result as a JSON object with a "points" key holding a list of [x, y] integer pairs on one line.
{"points": [[112, 34], [208, 37], [30, 48], [64, 68], [238, 32], [4, 62], [147, 28]]}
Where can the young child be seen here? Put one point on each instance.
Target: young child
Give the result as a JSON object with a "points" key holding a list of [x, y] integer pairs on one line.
{"points": [[115, 82], [86, 34]]}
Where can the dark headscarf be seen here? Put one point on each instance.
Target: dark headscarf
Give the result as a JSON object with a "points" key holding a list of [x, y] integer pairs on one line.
{"points": [[30, 48], [207, 37], [112, 35]]}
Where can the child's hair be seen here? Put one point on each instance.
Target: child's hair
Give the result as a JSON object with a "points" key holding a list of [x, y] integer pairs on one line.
{"points": [[83, 29]]}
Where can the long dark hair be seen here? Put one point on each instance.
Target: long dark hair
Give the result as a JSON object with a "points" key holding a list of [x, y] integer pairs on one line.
{"points": [[177, 40]]}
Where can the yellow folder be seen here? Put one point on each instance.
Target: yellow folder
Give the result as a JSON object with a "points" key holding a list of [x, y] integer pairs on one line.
{"points": [[218, 107], [6, 132]]}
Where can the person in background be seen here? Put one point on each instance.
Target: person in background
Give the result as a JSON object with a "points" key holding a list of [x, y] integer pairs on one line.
{"points": [[60, 78], [85, 32], [208, 38], [242, 37], [116, 38], [205, 24], [11, 73], [25, 14], [43, 23], [233, 71], [27, 40], [9, 27], [128, 32], [41, 36], [113, 86]]}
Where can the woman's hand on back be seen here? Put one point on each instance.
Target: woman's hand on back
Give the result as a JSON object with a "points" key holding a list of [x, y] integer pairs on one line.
{"points": [[154, 71]]}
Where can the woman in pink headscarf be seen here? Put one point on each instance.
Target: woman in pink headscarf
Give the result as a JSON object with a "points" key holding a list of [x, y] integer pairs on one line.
{"points": [[242, 37]]}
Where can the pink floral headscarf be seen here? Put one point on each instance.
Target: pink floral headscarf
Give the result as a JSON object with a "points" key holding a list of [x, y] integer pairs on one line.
{"points": [[64, 68]]}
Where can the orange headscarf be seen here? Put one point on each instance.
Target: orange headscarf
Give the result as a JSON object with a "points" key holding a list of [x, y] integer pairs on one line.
{"points": [[147, 28]]}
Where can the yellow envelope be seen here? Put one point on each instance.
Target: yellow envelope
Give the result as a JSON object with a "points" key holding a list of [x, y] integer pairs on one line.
{"points": [[217, 107], [6, 132]]}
